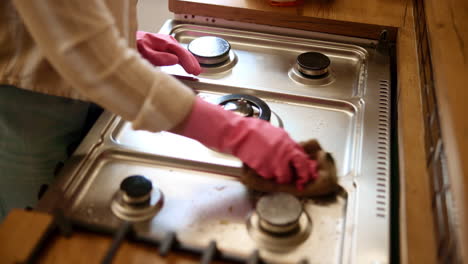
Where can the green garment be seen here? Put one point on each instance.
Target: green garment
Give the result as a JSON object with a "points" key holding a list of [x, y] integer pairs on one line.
{"points": [[35, 132]]}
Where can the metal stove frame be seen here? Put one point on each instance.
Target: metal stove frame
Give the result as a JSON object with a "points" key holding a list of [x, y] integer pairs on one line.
{"points": [[368, 221]]}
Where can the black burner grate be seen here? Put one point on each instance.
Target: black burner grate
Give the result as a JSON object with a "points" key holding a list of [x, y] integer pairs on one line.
{"points": [[65, 226]]}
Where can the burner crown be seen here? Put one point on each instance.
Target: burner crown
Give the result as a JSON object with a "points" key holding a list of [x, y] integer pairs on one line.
{"points": [[241, 107], [279, 213], [209, 47], [210, 50], [313, 64], [136, 186]]}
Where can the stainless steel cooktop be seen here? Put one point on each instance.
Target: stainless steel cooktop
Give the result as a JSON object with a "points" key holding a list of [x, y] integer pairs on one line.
{"points": [[343, 101]]}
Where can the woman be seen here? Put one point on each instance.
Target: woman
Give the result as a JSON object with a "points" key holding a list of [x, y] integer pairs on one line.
{"points": [[57, 55]]}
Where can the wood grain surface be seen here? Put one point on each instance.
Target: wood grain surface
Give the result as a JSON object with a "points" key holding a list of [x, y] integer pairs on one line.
{"points": [[19, 233], [364, 18], [21, 230], [86, 248], [417, 236], [447, 23]]}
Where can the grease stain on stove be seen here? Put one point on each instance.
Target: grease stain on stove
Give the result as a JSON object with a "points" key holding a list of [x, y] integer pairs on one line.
{"points": [[220, 188], [224, 222], [321, 124], [90, 209]]}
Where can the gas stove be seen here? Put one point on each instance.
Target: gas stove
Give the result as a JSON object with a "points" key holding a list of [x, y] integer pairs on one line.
{"points": [[332, 88]]}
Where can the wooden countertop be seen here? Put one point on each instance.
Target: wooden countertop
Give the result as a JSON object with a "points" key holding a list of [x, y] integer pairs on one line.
{"points": [[448, 38], [367, 17], [21, 230], [417, 234]]}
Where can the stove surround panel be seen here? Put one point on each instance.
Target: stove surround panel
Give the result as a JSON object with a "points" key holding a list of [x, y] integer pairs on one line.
{"points": [[349, 113], [261, 61]]}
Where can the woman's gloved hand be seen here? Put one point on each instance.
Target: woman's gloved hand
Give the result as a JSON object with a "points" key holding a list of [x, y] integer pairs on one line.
{"points": [[163, 50], [266, 149]]}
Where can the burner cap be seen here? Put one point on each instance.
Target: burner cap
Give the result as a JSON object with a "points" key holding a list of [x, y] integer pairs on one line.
{"points": [[313, 64], [137, 200], [279, 212], [210, 50], [240, 106], [136, 186], [244, 104]]}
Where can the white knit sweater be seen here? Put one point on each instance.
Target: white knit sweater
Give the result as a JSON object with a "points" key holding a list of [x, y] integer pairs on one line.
{"points": [[84, 49]]}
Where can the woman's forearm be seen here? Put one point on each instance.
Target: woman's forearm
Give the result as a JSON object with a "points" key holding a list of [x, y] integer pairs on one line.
{"points": [[81, 41]]}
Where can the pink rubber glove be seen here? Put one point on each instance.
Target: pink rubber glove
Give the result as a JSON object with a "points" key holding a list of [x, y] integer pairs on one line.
{"points": [[263, 147], [163, 50]]}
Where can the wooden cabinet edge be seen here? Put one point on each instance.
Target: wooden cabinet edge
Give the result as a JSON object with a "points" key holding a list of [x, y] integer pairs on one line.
{"points": [[323, 25]]}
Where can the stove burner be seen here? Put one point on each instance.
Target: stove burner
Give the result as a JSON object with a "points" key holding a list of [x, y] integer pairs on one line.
{"points": [[279, 222], [241, 107], [136, 189], [279, 213], [137, 199], [210, 50], [313, 64], [245, 105]]}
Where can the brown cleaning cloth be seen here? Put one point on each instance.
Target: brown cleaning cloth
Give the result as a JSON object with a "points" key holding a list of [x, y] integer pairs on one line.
{"points": [[325, 184]]}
